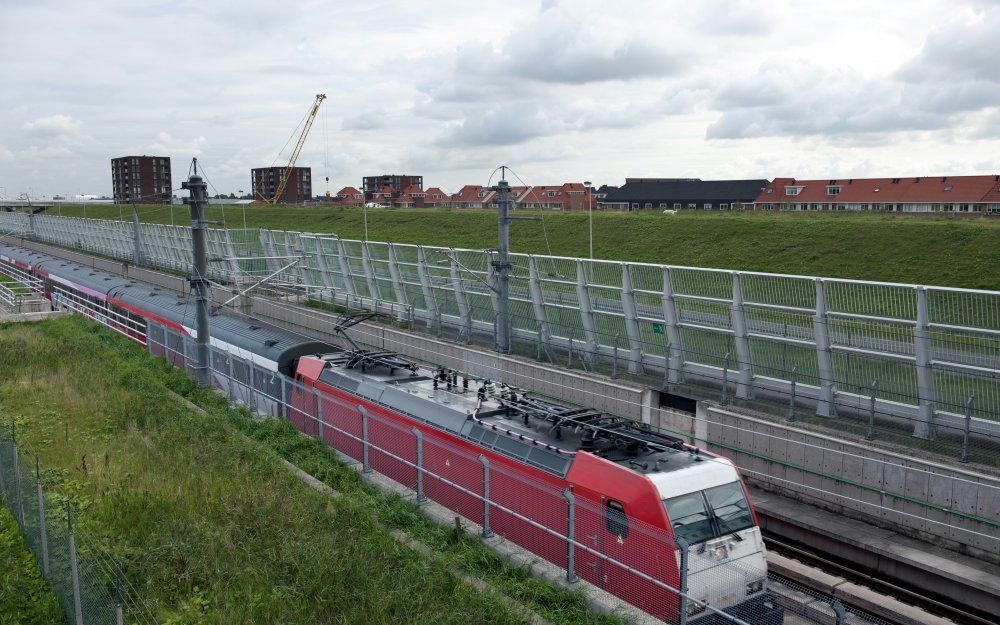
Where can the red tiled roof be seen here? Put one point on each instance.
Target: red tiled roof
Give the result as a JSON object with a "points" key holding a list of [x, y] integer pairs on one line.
{"points": [[470, 193], [348, 192], [434, 191], [944, 189], [410, 190], [540, 195]]}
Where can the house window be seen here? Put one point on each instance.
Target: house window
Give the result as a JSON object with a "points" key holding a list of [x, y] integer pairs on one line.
{"points": [[833, 190], [615, 519], [663, 204], [677, 204], [724, 206], [551, 193], [692, 205], [635, 206], [793, 190], [649, 205], [708, 205]]}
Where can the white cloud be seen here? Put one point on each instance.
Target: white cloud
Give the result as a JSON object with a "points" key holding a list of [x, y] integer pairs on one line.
{"points": [[167, 145], [449, 89], [54, 127]]}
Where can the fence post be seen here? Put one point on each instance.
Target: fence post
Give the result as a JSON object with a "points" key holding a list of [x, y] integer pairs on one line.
{"points": [[365, 467], [725, 379], [675, 348], [319, 412], [791, 398], [968, 426], [683, 546], [417, 434], [570, 535], [74, 571], [496, 344], [744, 358], [614, 361], [232, 378], [569, 359], [871, 413], [283, 409], [824, 357], [43, 535], [487, 532], [922, 351], [430, 304], [586, 311], [632, 331], [839, 612], [118, 598]]}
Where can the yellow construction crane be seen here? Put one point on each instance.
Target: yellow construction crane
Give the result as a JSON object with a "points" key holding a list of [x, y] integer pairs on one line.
{"points": [[285, 175]]}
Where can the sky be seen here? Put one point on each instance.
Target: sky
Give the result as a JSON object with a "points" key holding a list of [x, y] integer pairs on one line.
{"points": [[558, 90]]}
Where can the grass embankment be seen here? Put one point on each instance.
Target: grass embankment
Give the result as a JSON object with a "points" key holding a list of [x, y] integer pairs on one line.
{"points": [[949, 251], [209, 526], [24, 596]]}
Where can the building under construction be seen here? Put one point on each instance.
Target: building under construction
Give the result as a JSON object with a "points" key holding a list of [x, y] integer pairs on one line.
{"points": [[265, 180]]}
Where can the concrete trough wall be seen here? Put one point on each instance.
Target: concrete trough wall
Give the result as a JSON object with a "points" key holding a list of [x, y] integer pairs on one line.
{"points": [[912, 496]]}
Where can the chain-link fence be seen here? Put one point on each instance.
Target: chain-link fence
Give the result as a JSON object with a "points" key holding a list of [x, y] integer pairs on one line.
{"points": [[915, 365], [78, 569], [637, 562]]}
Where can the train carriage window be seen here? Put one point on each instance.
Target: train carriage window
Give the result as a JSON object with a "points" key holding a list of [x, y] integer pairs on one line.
{"points": [[616, 520]]}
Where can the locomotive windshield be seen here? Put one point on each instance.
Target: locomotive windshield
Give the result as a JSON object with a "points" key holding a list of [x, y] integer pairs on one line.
{"points": [[709, 513]]}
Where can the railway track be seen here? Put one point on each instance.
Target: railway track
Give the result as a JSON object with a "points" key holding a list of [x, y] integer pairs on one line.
{"points": [[878, 584]]}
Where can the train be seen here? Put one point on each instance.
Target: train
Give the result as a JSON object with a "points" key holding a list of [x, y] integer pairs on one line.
{"points": [[636, 493]]}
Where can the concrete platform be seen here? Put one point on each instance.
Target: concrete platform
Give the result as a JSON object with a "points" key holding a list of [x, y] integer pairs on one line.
{"points": [[941, 574]]}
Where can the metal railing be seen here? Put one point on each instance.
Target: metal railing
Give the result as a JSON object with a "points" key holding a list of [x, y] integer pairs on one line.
{"points": [[17, 287], [540, 517], [757, 336], [537, 515]]}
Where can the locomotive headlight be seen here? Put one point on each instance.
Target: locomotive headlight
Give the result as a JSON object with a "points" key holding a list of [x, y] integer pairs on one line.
{"points": [[755, 587], [719, 551]]}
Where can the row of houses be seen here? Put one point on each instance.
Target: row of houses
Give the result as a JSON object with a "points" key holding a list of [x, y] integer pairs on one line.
{"points": [[939, 194], [568, 196]]}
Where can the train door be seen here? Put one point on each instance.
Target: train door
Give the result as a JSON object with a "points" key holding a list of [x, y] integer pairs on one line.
{"points": [[618, 545]]}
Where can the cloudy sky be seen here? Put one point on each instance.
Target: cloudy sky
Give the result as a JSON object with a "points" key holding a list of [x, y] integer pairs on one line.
{"points": [[558, 89]]}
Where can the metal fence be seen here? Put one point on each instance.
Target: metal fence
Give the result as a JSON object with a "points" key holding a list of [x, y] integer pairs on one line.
{"points": [[923, 360], [547, 521], [84, 578], [613, 554]]}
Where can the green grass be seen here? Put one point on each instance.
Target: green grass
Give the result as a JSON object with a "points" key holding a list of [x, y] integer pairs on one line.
{"points": [[25, 598], [948, 251], [207, 524]]}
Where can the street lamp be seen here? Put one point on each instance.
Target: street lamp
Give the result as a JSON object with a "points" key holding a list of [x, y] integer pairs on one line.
{"points": [[590, 213]]}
